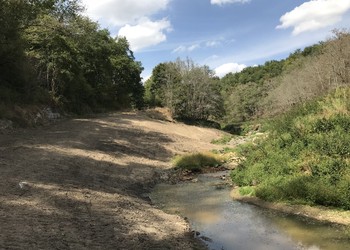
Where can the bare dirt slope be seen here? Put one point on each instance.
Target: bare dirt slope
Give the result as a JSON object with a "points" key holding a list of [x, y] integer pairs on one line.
{"points": [[81, 183]]}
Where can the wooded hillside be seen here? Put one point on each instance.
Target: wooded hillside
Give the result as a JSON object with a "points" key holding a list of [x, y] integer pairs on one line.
{"points": [[193, 92], [50, 53]]}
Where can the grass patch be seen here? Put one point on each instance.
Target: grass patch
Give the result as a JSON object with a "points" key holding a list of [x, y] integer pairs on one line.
{"points": [[197, 161], [247, 191], [222, 140], [225, 150]]}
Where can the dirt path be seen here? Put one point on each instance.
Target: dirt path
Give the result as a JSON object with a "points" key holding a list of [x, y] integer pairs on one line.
{"points": [[81, 183]]}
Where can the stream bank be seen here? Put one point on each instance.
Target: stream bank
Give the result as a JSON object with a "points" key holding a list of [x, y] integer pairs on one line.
{"points": [[224, 223], [322, 214]]}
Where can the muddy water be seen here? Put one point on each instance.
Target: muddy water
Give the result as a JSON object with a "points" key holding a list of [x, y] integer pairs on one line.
{"points": [[227, 224]]}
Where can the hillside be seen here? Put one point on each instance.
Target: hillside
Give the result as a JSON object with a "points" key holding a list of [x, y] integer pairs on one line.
{"points": [[305, 157]]}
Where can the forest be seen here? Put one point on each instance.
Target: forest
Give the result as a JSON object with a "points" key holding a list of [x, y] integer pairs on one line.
{"points": [[52, 55]]}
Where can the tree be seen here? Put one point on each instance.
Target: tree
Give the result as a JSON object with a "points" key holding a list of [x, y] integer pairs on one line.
{"points": [[126, 75], [188, 90], [66, 56], [12, 76]]}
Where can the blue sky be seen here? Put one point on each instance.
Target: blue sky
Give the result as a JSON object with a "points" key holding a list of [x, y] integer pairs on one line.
{"points": [[226, 35]]}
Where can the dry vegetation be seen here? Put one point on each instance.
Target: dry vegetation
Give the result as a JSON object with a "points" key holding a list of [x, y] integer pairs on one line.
{"points": [[313, 76]]}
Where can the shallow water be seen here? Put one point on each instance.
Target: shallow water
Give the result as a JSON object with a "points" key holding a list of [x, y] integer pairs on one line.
{"points": [[227, 224]]}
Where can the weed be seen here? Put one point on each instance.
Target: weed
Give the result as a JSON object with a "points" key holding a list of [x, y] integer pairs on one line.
{"points": [[223, 140], [197, 161], [247, 191], [305, 159]]}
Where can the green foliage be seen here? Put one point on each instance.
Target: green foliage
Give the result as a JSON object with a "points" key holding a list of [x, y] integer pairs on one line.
{"points": [[223, 140], [225, 150], [49, 48], [190, 91], [242, 101], [306, 158], [13, 64], [197, 161], [256, 92], [256, 74], [247, 191]]}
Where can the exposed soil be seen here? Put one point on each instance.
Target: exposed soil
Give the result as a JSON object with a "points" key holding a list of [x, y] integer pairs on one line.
{"points": [[83, 183]]}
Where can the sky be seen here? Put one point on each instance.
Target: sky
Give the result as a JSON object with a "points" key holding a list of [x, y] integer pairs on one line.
{"points": [[226, 35]]}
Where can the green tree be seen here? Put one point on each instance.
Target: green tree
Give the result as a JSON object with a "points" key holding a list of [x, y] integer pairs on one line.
{"points": [[126, 75], [12, 78], [188, 90]]}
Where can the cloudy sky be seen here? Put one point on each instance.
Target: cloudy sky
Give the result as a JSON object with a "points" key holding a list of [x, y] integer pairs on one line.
{"points": [[226, 35]]}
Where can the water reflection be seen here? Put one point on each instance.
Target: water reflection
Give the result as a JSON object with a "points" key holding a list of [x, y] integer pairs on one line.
{"points": [[311, 234], [234, 225]]}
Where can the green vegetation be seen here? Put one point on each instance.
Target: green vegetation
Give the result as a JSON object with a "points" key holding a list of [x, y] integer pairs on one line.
{"points": [[247, 191], [197, 161], [306, 158], [225, 150], [223, 140], [51, 54], [191, 92], [267, 90]]}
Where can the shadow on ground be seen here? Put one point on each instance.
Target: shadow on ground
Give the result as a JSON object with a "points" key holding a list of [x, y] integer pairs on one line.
{"points": [[83, 186]]}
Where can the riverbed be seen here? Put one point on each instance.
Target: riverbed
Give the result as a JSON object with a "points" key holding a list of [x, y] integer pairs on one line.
{"points": [[223, 223]]}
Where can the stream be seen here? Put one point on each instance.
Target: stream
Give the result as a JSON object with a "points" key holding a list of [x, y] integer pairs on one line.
{"points": [[223, 223]]}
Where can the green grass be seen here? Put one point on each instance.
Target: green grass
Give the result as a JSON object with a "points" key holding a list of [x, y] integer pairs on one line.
{"points": [[197, 161], [306, 158], [247, 191], [222, 140], [225, 150]]}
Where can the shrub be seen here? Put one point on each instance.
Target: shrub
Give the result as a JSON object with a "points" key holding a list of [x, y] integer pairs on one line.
{"points": [[222, 140], [247, 191], [197, 161], [306, 158]]}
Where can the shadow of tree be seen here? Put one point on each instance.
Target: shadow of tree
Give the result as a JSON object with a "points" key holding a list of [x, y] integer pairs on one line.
{"points": [[84, 182]]}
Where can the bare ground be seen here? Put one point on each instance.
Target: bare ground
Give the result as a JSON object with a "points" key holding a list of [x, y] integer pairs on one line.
{"points": [[82, 183]]}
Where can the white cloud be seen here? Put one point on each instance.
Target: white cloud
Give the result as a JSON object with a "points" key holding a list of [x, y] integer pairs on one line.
{"points": [[222, 2], [314, 15], [180, 49], [199, 44], [121, 12], [183, 48], [193, 47], [146, 33], [228, 68], [212, 43]]}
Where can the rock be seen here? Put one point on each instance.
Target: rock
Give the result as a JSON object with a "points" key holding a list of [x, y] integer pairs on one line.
{"points": [[164, 176], [195, 233], [51, 115], [23, 185], [195, 180], [205, 238], [6, 124]]}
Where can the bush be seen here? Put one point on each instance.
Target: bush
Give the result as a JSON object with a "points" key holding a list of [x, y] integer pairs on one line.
{"points": [[234, 129], [222, 140], [306, 158], [247, 191], [197, 161]]}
